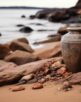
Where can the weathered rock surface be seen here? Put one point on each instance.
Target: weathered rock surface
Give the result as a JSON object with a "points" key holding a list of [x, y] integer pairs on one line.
{"points": [[20, 44], [48, 50], [26, 29], [4, 50], [11, 74], [2, 63], [20, 57]]}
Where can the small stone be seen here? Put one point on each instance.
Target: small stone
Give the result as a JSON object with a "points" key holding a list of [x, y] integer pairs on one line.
{"points": [[25, 79], [23, 16], [17, 88], [57, 64], [28, 77], [47, 71], [61, 71], [66, 86], [48, 77], [37, 86], [43, 80]]}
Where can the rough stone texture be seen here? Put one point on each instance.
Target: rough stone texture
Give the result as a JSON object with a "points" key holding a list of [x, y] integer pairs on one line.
{"points": [[20, 44], [49, 50], [20, 57], [13, 74], [7, 65], [4, 50]]}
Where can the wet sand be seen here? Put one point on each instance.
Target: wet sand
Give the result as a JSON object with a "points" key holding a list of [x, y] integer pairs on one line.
{"points": [[49, 93]]}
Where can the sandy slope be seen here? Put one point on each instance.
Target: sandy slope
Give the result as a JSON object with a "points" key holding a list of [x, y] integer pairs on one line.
{"points": [[48, 94]]}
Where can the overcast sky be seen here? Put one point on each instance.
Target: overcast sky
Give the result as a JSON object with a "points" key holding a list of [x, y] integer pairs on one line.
{"points": [[41, 3]]}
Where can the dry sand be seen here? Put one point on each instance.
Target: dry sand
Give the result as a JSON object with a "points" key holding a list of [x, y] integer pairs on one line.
{"points": [[48, 94]]}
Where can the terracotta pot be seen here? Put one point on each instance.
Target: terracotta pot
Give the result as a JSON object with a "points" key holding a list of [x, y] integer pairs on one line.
{"points": [[71, 49]]}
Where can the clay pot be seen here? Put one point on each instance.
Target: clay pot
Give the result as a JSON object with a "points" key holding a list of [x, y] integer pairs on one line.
{"points": [[71, 49]]}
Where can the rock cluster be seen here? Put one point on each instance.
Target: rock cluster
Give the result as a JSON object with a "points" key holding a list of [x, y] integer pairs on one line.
{"points": [[71, 15]]}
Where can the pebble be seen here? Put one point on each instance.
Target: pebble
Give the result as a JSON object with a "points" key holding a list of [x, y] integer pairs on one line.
{"points": [[61, 71], [43, 80], [17, 88], [37, 86], [66, 86]]}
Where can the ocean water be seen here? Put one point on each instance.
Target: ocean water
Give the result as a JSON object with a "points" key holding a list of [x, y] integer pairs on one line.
{"points": [[10, 18]]}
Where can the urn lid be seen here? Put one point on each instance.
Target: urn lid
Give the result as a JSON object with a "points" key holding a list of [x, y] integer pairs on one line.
{"points": [[75, 28]]}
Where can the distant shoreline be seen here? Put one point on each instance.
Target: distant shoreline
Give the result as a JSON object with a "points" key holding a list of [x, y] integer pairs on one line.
{"points": [[21, 7]]}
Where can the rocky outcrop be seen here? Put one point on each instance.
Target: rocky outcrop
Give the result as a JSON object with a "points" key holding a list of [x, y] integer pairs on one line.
{"points": [[20, 44], [70, 15], [26, 29], [20, 57]]}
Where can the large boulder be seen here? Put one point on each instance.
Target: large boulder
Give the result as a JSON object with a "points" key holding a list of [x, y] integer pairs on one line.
{"points": [[48, 50], [4, 51], [58, 16], [20, 44], [26, 29], [20, 57]]}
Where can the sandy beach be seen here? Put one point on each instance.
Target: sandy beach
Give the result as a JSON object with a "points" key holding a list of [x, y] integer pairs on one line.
{"points": [[49, 93]]}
